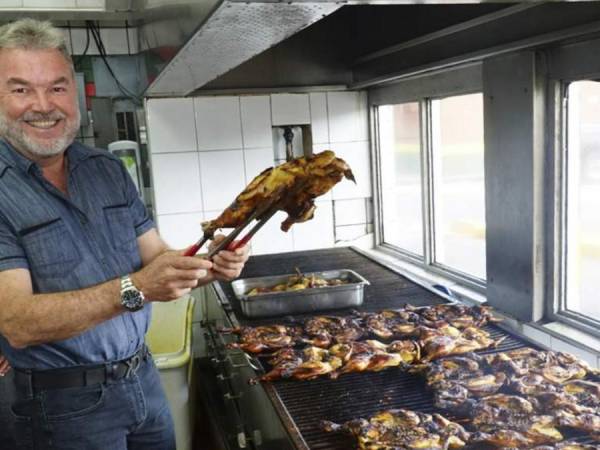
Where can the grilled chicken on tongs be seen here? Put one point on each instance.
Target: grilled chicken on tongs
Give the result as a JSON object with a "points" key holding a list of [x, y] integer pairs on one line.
{"points": [[290, 187]]}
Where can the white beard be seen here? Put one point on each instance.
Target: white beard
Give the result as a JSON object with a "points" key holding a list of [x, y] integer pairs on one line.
{"points": [[14, 134]]}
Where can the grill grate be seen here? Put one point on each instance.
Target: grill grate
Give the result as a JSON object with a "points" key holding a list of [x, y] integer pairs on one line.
{"points": [[351, 395]]}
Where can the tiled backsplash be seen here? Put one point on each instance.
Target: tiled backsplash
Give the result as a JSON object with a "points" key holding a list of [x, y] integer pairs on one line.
{"points": [[204, 150]]}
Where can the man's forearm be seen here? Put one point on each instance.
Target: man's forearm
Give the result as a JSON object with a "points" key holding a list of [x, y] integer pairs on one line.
{"points": [[44, 318]]}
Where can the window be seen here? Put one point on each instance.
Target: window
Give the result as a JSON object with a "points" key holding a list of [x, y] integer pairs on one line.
{"points": [[581, 170], [401, 193], [432, 194], [459, 192]]}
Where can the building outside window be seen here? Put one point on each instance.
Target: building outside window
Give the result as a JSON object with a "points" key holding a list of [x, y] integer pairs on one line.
{"points": [[581, 250], [458, 176], [431, 164], [402, 202]]}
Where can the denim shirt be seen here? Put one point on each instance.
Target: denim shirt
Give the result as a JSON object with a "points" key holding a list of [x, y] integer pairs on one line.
{"points": [[73, 242]]}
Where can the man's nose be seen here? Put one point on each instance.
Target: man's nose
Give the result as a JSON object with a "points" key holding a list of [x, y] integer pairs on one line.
{"points": [[42, 102]]}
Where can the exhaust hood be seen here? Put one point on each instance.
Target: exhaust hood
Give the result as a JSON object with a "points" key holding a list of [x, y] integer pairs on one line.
{"points": [[232, 33]]}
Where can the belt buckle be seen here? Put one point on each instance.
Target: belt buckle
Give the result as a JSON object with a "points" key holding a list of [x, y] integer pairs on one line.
{"points": [[132, 365]]}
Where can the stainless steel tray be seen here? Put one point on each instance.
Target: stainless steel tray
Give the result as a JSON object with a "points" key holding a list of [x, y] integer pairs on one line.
{"points": [[301, 301]]}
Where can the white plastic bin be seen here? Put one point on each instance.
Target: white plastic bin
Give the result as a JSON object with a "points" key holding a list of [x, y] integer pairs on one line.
{"points": [[170, 341]]}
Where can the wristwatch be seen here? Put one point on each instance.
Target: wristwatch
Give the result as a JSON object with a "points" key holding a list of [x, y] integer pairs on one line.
{"points": [[132, 298]]}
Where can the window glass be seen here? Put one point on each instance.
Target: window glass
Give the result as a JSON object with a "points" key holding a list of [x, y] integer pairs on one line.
{"points": [[583, 198], [458, 183], [400, 149]]}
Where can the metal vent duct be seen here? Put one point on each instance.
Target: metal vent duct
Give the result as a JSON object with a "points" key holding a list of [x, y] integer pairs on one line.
{"points": [[234, 33]]}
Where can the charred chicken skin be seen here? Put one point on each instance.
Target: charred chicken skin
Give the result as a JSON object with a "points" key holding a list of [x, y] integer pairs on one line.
{"points": [[307, 364], [401, 429], [324, 331], [265, 338], [290, 187]]}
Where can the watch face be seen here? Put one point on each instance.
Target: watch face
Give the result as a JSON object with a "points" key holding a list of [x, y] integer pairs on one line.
{"points": [[132, 299]]}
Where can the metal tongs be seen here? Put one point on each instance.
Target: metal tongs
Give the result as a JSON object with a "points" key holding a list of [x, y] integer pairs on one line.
{"points": [[262, 213]]}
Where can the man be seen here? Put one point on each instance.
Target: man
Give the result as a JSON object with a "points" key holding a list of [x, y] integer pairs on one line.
{"points": [[80, 264]]}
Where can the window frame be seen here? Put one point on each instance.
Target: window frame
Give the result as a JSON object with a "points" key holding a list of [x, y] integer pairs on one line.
{"points": [[463, 80], [567, 64]]}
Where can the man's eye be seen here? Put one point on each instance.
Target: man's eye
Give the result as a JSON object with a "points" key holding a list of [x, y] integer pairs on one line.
{"points": [[19, 91], [60, 89]]}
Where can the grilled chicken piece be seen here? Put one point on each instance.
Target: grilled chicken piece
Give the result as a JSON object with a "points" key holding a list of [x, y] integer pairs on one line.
{"points": [[308, 364], [292, 187], [510, 421], [586, 393], [373, 356], [390, 324], [323, 331], [455, 395], [265, 338], [457, 315], [532, 384], [435, 346], [555, 367], [452, 368], [401, 429]]}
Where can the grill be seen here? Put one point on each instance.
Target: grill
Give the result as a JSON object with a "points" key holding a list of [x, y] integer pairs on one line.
{"points": [[302, 405]]}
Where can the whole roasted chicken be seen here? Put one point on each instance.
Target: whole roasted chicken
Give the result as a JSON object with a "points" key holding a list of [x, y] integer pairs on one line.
{"points": [[290, 187]]}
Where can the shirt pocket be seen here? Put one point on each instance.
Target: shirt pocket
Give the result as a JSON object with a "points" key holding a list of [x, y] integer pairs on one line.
{"points": [[50, 249], [121, 228]]}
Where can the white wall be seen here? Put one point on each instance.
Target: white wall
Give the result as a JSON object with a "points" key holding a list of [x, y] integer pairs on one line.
{"points": [[204, 150]]}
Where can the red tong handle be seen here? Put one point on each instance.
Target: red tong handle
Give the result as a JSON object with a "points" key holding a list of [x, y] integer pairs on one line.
{"points": [[237, 244], [192, 250]]}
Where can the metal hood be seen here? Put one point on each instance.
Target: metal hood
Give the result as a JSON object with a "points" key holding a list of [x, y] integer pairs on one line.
{"points": [[231, 32]]}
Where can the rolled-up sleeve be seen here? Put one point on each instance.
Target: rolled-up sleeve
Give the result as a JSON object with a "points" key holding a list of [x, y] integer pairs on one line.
{"points": [[12, 255]]}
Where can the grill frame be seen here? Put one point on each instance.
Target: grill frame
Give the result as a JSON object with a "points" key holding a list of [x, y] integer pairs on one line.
{"points": [[300, 405]]}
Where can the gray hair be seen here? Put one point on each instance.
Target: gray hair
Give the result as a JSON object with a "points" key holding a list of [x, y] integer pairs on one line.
{"points": [[31, 34]]}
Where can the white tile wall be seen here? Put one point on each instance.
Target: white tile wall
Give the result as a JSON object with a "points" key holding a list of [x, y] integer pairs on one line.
{"points": [[270, 238], [318, 117], [256, 121], [348, 233], [350, 212], [171, 125], [11, 4], [256, 160], [180, 230], [317, 232], [290, 109], [222, 178], [176, 178], [218, 123], [356, 154], [347, 116]]}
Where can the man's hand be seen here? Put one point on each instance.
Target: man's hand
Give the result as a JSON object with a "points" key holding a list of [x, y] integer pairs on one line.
{"points": [[4, 366], [227, 265], [171, 275]]}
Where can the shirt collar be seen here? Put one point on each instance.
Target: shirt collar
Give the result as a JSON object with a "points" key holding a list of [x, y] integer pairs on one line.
{"points": [[9, 157]]}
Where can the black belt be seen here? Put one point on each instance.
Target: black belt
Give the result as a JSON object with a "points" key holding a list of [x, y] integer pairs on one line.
{"points": [[81, 375]]}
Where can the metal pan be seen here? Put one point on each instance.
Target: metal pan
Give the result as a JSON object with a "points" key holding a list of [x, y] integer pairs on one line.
{"points": [[271, 304]]}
